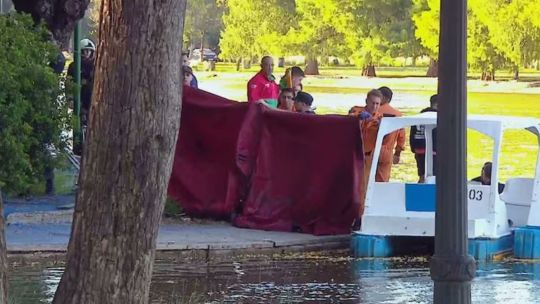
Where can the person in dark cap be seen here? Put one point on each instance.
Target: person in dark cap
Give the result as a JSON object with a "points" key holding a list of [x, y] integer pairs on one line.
{"points": [[303, 102]]}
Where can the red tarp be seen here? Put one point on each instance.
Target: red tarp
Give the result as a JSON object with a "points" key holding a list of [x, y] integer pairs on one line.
{"points": [[273, 170], [205, 153]]}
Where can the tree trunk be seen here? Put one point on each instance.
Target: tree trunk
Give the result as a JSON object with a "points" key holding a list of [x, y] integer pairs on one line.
{"points": [[369, 71], [516, 73], [3, 256], [202, 44], [433, 70], [60, 16], [281, 62], [414, 58], [488, 75], [128, 156], [247, 63], [312, 66], [238, 64]]}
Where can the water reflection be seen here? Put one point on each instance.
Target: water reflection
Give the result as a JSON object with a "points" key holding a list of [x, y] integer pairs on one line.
{"points": [[315, 280]]}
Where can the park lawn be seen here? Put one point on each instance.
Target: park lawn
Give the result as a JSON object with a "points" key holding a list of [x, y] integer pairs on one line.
{"points": [[519, 148], [526, 75]]}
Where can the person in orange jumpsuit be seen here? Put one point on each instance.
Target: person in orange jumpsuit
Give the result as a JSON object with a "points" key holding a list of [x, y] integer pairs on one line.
{"points": [[393, 144], [370, 119]]}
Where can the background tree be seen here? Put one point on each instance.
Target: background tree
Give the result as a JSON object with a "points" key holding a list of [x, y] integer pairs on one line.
{"points": [[31, 117], [426, 20], [204, 21], [253, 28], [94, 8], [379, 30], [128, 155], [59, 15], [320, 32], [513, 29], [481, 53]]}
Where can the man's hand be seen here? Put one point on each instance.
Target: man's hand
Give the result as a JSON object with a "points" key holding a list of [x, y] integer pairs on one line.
{"points": [[395, 160], [364, 115]]}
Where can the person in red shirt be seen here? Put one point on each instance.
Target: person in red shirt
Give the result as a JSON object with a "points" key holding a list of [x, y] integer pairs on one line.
{"points": [[263, 86]]}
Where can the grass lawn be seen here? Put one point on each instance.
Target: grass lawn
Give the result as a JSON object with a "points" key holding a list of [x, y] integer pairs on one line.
{"points": [[339, 88]]}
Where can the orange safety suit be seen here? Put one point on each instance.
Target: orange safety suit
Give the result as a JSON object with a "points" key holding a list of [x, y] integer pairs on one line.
{"points": [[392, 144], [369, 129]]}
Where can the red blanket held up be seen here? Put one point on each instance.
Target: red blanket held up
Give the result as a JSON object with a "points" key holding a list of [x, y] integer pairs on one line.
{"points": [[264, 168]]}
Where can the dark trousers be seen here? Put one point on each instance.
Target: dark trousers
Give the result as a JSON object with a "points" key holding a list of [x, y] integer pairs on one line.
{"points": [[421, 164]]}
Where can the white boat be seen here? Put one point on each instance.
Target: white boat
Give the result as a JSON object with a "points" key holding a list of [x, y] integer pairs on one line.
{"points": [[408, 209]]}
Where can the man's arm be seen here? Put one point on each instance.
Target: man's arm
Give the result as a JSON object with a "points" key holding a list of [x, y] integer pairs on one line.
{"points": [[253, 91], [400, 146]]}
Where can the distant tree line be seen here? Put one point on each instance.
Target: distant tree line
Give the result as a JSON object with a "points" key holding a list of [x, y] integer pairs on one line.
{"points": [[503, 34]]}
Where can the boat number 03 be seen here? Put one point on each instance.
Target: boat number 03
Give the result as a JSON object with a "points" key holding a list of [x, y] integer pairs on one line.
{"points": [[476, 195]]}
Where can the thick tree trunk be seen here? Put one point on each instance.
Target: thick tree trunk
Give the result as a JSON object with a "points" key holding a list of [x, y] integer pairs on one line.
{"points": [[369, 71], [312, 66], [433, 70], [3, 256], [516, 73], [128, 157], [59, 15]]}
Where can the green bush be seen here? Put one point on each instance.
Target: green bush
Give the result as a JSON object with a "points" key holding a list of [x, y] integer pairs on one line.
{"points": [[32, 116]]}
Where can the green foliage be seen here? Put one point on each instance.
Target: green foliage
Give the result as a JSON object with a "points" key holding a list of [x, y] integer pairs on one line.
{"points": [[31, 118], [172, 208], [255, 28], [320, 31], [514, 29], [380, 30], [500, 32], [426, 20], [203, 22]]}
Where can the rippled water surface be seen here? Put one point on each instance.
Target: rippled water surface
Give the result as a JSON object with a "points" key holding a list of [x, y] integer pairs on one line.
{"points": [[313, 280]]}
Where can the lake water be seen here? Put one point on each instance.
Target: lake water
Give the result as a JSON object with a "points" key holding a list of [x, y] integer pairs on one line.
{"points": [[294, 280]]}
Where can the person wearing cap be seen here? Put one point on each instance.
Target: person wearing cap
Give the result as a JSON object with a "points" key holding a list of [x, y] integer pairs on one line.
{"points": [[417, 140], [393, 144], [263, 86], [303, 102], [485, 177]]}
